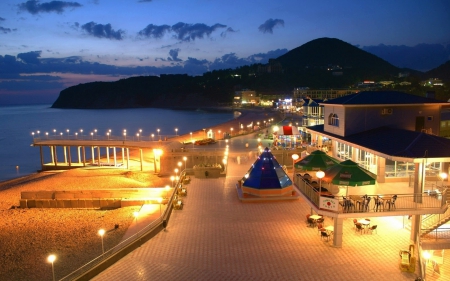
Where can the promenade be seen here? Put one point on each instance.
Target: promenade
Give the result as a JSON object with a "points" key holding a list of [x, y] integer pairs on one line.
{"points": [[216, 237]]}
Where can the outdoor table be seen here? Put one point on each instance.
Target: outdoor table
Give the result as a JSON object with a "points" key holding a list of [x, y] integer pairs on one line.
{"points": [[364, 223], [329, 229], [315, 217]]}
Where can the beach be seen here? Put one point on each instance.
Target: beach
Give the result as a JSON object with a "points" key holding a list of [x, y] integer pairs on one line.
{"points": [[29, 235]]}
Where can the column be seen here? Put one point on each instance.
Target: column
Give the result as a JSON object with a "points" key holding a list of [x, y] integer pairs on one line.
{"points": [[65, 154], [338, 232], [84, 156], [107, 154], [142, 159], [98, 155], [92, 155], [416, 225], [128, 158], [115, 157], [52, 154], [381, 169], [418, 177], [79, 156], [42, 157], [55, 156], [123, 156], [70, 157]]}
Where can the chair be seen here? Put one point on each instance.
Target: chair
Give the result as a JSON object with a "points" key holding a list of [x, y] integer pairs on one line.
{"points": [[366, 204], [372, 228], [321, 220], [359, 228], [378, 204], [311, 222], [355, 221], [391, 203], [307, 217], [324, 234], [320, 227]]}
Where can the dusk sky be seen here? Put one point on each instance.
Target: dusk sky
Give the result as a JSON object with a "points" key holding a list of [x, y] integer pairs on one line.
{"points": [[46, 46]]}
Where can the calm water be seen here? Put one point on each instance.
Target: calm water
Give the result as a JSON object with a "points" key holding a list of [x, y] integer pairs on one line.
{"points": [[18, 122]]}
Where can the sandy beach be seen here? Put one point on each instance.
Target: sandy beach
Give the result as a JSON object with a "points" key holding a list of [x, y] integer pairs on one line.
{"points": [[28, 236]]}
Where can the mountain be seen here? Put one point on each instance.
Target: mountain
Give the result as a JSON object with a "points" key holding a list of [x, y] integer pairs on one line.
{"points": [[442, 72], [320, 63]]}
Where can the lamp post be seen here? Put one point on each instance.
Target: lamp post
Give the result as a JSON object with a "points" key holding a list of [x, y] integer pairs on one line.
{"points": [[137, 135], [159, 201], [67, 133], [191, 135], [153, 136], [107, 135], [158, 134], [136, 215], [176, 131], [51, 259], [95, 131], [46, 135], [76, 135], [61, 134], [176, 172], [167, 191], [54, 132], [109, 131], [32, 133], [320, 174], [443, 177], [231, 132], [172, 178], [125, 135], [185, 159], [294, 158], [101, 232], [81, 132], [92, 135]]}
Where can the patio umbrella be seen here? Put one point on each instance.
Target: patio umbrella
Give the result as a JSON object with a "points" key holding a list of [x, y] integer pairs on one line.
{"points": [[348, 173], [317, 160]]}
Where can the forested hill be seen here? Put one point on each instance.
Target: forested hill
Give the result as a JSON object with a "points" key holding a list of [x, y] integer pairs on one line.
{"points": [[320, 63]]}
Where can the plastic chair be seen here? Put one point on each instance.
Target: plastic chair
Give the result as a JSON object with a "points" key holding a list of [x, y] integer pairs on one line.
{"points": [[355, 221], [324, 234], [359, 228], [372, 228], [391, 202]]}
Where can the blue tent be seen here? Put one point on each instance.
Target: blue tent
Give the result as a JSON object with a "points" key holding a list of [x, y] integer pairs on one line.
{"points": [[266, 173]]}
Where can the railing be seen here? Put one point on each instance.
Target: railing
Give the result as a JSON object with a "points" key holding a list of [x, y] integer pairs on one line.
{"points": [[404, 202], [437, 233], [434, 220], [125, 243]]}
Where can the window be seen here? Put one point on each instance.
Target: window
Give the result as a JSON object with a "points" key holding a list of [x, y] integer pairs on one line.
{"points": [[430, 118], [443, 124], [333, 120]]}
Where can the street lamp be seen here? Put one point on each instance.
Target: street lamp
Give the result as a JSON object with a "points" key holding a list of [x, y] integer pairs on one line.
{"points": [[81, 131], [294, 158], [76, 135], [231, 131], [136, 215], [125, 135], [176, 171], [92, 135], [167, 191], [95, 131], [191, 135], [443, 176], [46, 135], [185, 159], [176, 131], [32, 133], [101, 232], [68, 133], [153, 135], [179, 165], [107, 135], [137, 136], [51, 259], [54, 132], [158, 134], [320, 174], [159, 201], [172, 178]]}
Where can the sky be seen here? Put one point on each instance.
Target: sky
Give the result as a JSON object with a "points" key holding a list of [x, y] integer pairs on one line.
{"points": [[46, 46]]}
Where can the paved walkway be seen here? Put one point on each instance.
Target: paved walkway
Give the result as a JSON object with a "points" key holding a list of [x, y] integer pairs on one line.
{"points": [[216, 237]]}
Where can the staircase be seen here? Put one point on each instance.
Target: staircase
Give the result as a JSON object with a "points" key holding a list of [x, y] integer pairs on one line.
{"points": [[431, 222]]}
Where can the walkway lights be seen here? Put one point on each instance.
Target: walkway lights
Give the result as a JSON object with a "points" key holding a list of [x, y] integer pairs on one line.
{"points": [[101, 232], [153, 136], [176, 131], [185, 159], [158, 134], [81, 132], [172, 178], [51, 260], [176, 172], [294, 158]]}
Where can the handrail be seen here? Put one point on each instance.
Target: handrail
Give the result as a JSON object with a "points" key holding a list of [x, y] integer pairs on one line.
{"points": [[404, 202], [125, 243]]}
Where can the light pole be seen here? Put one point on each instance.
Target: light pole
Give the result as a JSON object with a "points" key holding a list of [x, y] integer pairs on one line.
{"points": [[185, 159], [294, 158], [191, 135], [231, 132], [153, 136], [109, 131], [176, 131], [32, 133], [125, 135], [107, 135], [46, 135], [158, 134], [61, 134], [76, 135], [68, 133], [81, 131], [443, 177], [92, 135], [137, 136], [172, 178], [51, 259], [54, 132], [320, 174], [176, 171], [101, 232], [159, 201], [167, 191], [179, 165], [95, 131], [136, 215]]}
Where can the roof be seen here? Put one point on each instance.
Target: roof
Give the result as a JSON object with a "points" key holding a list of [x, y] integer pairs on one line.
{"points": [[397, 142], [381, 97], [267, 173]]}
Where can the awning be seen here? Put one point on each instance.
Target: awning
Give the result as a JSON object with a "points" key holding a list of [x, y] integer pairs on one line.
{"points": [[288, 131]]}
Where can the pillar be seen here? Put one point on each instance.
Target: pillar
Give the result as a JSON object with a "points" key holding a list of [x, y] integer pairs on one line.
{"points": [[128, 158], [98, 155], [84, 156], [381, 169], [418, 180], [42, 157], [52, 154], [55, 156], [92, 155], [70, 157], [107, 154], [79, 156], [123, 156], [65, 154], [142, 159], [416, 225], [115, 156], [338, 232]]}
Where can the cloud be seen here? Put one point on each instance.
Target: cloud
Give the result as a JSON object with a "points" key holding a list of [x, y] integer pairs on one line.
{"points": [[155, 31], [5, 30], [269, 25], [228, 30], [144, 1], [188, 32], [102, 31], [2, 19], [34, 7], [30, 57], [422, 57], [174, 55]]}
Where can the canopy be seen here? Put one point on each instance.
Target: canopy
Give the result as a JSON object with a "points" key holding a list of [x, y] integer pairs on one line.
{"points": [[348, 173], [317, 160], [288, 131]]}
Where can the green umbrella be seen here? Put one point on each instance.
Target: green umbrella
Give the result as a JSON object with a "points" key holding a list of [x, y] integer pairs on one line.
{"points": [[317, 160], [348, 173]]}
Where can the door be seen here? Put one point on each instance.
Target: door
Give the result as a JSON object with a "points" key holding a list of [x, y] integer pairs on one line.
{"points": [[420, 123]]}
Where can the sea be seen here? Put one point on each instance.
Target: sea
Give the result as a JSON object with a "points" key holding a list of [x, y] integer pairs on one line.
{"points": [[18, 123]]}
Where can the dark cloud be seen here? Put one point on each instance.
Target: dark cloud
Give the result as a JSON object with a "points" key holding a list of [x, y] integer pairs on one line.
{"points": [[264, 57], [102, 30], [269, 25], [30, 57], [188, 32], [422, 57], [5, 30], [155, 31], [2, 19], [35, 7], [174, 55], [228, 30]]}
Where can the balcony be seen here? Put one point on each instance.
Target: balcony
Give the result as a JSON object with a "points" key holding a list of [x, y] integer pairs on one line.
{"points": [[430, 202]]}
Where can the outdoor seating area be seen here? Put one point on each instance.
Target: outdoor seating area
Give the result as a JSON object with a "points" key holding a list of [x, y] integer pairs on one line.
{"points": [[364, 226], [319, 222], [177, 203]]}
